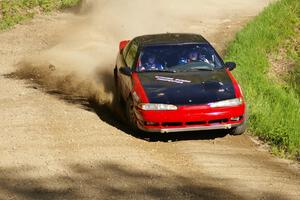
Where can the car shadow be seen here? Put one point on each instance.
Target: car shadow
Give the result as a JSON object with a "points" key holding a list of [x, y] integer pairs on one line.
{"points": [[114, 115]]}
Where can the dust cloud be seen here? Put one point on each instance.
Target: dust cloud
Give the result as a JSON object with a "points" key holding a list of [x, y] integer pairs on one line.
{"points": [[82, 61]]}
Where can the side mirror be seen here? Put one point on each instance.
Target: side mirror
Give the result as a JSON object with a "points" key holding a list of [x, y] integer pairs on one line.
{"points": [[230, 65], [126, 71]]}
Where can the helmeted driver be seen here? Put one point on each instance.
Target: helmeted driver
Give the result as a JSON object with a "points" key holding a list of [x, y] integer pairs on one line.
{"points": [[194, 56], [151, 64]]}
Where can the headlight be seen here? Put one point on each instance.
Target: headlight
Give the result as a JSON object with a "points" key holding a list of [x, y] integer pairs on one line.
{"points": [[227, 103], [154, 106]]}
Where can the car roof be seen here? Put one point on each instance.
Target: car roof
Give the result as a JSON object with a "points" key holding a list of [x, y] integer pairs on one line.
{"points": [[169, 38]]}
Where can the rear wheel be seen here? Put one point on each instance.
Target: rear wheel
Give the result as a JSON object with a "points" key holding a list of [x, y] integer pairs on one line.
{"points": [[117, 98]]}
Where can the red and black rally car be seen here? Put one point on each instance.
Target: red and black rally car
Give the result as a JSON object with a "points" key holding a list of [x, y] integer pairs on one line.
{"points": [[177, 82]]}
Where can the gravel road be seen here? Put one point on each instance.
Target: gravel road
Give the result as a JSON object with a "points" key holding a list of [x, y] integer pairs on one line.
{"points": [[56, 146]]}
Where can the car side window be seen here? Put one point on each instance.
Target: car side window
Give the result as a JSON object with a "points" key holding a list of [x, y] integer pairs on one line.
{"points": [[130, 57]]}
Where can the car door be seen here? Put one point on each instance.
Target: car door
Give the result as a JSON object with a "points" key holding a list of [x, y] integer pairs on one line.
{"points": [[129, 57]]}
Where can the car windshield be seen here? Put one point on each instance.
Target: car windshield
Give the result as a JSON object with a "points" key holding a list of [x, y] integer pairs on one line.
{"points": [[178, 57]]}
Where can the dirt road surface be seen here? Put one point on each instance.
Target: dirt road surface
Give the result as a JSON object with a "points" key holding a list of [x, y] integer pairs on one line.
{"points": [[55, 146]]}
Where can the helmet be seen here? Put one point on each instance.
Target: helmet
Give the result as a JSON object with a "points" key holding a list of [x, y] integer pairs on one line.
{"points": [[193, 55]]}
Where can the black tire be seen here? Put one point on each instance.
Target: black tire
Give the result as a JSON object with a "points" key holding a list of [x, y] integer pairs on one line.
{"points": [[241, 128], [116, 77], [238, 130], [130, 115], [117, 95]]}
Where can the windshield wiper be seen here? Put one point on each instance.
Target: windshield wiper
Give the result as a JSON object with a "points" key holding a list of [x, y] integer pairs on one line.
{"points": [[162, 70], [203, 68], [199, 65], [167, 70]]}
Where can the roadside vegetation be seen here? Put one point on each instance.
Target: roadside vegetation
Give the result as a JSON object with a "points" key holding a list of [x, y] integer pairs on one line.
{"points": [[293, 77], [13, 12], [273, 106]]}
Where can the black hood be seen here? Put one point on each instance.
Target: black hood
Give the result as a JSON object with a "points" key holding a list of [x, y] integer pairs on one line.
{"points": [[187, 88]]}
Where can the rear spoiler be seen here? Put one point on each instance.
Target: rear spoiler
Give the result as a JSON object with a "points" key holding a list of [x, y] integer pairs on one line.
{"points": [[123, 44]]}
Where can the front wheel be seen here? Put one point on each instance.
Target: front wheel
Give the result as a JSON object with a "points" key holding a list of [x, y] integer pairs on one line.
{"points": [[239, 130], [131, 115]]}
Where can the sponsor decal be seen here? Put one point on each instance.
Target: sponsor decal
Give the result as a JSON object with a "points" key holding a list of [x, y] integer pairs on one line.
{"points": [[173, 80], [160, 94]]}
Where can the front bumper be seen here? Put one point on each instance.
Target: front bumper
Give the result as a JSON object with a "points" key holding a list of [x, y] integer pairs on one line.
{"points": [[190, 118], [186, 129]]}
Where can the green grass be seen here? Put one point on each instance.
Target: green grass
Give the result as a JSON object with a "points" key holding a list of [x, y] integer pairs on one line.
{"points": [[13, 12], [293, 53], [274, 111], [294, 78]]}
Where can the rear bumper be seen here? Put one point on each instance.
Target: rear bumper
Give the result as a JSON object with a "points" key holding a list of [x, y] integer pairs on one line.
{"points": [[190, 118]]}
